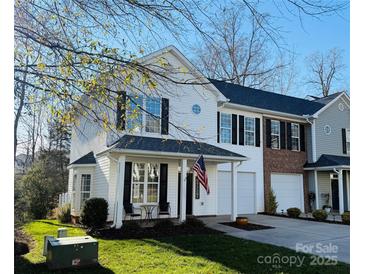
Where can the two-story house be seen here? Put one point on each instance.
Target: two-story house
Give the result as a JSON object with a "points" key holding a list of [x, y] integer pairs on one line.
{"points": [[251, 140]]}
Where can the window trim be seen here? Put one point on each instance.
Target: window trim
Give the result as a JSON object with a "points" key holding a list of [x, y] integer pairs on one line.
{"points": [[81, 188], [222, 127], [144, 116], [145, 183], [295, 137], [279, 141], [254, 131], [347, 141]]}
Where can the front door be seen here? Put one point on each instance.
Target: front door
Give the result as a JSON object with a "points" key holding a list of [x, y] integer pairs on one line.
{"points": [[335, 201], [189, 194]]}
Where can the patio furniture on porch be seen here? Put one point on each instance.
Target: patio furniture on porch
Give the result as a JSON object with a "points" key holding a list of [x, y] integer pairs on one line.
{"points": [[164, 209], [148, 208], [131, 211]]}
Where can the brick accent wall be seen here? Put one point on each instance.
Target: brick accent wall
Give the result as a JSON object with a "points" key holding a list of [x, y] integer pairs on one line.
{"points": [[283, 161]]}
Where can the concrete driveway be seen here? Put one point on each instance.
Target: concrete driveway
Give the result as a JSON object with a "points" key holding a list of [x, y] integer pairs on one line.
{"points": [[322, 239]]}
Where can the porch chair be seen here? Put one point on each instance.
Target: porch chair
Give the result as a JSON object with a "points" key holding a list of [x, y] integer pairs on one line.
{"points": [[131, 211], [164, 208]]}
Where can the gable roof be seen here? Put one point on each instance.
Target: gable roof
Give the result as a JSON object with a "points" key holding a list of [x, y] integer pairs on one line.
{"points": [[85, 160], [327, 160], [266, 100], [327, 99], [160, 145]]}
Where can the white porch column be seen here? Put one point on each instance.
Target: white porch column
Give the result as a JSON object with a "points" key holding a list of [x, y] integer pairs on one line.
{"points": [[348, 189], [183, 165], [316, 188], [234, 191], [340, 191], [184, 169], [119, 193]]}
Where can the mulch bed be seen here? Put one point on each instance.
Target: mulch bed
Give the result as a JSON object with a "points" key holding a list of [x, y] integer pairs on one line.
{"points": [[22, 242], [304, 218], [249, 226], [127, 232]]}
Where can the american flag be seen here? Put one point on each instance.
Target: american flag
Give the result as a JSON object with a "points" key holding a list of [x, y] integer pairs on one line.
{"points": [[202, 176]]}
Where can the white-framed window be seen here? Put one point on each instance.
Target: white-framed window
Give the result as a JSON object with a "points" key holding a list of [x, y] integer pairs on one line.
{"points": [[226, 128], [275, 134], [295, 139], [74, 181], [145, 183], [348, 140], [249, 131], [85, 188], [153, 106], [135, 115]]}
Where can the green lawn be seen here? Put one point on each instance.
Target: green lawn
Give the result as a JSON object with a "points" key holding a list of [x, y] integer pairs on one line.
{"points": [[183, 254]]}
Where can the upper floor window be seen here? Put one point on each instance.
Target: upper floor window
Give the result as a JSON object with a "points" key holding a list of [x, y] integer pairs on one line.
{"points": [[225, 128], [249, 131], [134, 114], [295, 143], [145, 181], [153, 108], [275, 134], [85, 187], [348, 141]]}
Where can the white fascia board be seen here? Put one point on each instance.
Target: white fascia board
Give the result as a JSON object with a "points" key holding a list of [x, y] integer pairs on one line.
{"points": [[268, 113], [329, 168], [173, 155], [80, 165]]}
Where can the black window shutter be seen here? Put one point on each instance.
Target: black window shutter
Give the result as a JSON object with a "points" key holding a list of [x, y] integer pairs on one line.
{"points": [[121, 101], [257, 132], [218, 126], [127, 183], [268, 132], [344, 148], [282, 135], [288, 131], [163, 183], [241, 130], [302, 138], [165, 116], [234, 129]]}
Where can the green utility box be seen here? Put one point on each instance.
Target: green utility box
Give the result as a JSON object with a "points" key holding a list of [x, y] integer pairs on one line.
{"points": [[71, 252]]}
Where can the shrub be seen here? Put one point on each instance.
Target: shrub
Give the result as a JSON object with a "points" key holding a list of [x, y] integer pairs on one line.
{"points": [[320, 214], [64, 214], [94, 213], [293, 212], [164, 225], [346, 217], [272, 204], [193, 222]]}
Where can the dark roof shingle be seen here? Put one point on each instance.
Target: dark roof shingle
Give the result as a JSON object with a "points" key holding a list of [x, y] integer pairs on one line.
{"points": [[266, 100], [330, 160], [131, 142], [86, 159]]}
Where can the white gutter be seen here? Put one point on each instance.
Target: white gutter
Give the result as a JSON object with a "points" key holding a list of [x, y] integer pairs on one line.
{"points": [[80, 165], [334, 168]]}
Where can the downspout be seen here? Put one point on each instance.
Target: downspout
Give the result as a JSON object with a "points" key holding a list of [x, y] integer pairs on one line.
{"points": [[115, 212]]}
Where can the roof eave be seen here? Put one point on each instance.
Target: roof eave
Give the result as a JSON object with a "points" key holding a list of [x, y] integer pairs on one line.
{"points": [[327, 167], [80, 165]]}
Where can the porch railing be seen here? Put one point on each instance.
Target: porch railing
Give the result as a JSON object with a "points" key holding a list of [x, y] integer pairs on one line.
{"points": [[63, 198]]}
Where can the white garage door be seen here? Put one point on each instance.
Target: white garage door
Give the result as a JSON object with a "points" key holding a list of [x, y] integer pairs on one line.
{"points": [[288, 189], [245, 192]]}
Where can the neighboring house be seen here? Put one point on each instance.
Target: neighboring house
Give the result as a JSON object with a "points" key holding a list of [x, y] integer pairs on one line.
{"points": [[328, 164], [251, 140]]}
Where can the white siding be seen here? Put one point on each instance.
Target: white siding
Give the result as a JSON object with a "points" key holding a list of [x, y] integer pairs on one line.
{"points": [[324, 186], [101, 186]]}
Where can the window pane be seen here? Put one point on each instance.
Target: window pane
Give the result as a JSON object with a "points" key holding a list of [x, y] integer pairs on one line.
{"points": [[74, 182], [295, 143], [153, 106], [137, 193], [295, 130], [153, 172], [138, 172], [275, 127], [274, 141], [84, 197], [249, 138], [249, 124], [226, 120], [152, 193], [134, 114], [85, 182], [225, 135]]}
